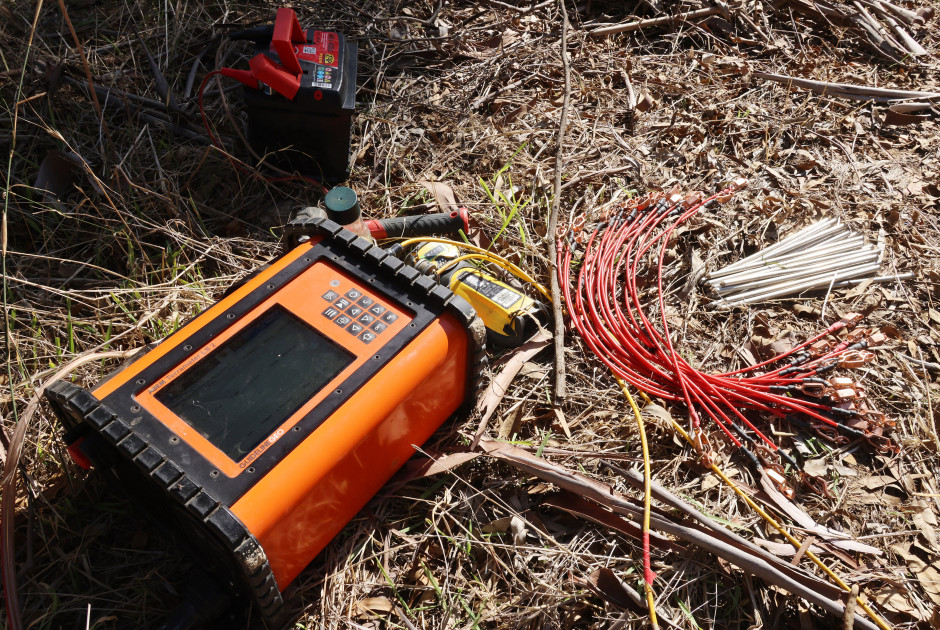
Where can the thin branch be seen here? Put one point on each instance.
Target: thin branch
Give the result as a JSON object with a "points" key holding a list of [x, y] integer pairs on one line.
{"points": [[91, 84], [560, 390]]}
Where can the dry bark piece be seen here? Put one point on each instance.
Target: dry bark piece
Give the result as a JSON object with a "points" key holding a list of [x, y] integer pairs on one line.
{"points": [[894, 116], [714, 538], [720, 8], [849, 91]]}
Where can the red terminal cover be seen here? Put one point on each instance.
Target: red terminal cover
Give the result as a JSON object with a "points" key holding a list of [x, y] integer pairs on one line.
{"points": [[78, 455], [270, 73], [287, 31], [283, 78]]}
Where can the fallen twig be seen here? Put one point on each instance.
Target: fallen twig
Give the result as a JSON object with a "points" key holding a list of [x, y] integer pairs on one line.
{"points": [[720, 8], [553, 217], [713, 538], [849, 91], [81, 53]]}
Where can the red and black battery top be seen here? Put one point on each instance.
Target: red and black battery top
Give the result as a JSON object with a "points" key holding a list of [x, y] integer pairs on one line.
{"points": [[301, 114]]}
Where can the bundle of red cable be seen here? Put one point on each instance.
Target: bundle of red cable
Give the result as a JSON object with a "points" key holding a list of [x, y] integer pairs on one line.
{"points": [[606, 306]]}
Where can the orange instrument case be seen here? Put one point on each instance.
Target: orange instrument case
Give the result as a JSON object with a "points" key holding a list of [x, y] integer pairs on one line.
{"points": [[262, 426]]}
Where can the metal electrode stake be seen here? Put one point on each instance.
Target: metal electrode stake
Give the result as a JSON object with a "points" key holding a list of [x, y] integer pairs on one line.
{"points": [[830, 253], [785, 245], [773, 274], [795, 286], [825, 254], [858, 281], [824, 238]]}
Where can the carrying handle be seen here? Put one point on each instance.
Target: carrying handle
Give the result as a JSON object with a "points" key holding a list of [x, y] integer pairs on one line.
{"points": [[423, 225]]}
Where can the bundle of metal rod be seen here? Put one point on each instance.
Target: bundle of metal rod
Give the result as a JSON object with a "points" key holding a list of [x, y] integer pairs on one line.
{"points": [[613, 311], [818, 257]]}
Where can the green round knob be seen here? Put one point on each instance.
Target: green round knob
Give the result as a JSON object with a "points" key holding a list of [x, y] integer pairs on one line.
{"points": [[342, 205]]}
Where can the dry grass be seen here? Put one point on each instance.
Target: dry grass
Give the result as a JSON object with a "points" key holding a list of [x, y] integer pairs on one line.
{"points": [[155, 226]]}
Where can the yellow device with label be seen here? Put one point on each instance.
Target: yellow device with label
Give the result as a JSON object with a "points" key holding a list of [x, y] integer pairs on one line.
{"points": [[510, 316]]}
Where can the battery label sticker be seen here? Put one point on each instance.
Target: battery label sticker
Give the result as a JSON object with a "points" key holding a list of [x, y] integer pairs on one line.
{"points": [[323, 50], [497, 294], [322, 77], [328, 46]]}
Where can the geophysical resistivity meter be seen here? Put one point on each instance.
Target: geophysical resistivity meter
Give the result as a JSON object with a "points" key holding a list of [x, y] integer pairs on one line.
{"points": [[260, 427]]}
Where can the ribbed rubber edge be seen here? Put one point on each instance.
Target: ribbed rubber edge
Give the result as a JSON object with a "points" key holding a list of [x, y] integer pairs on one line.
{"points": [[74, 405], [379, 261]]}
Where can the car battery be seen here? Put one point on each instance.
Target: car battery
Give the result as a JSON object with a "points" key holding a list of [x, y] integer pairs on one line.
{"points": [[301, 118]]}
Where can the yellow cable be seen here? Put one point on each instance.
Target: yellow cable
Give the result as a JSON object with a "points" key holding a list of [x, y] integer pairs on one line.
{"points": [[490, 256], [455, 261], [647, 499], [792, 539], [499, 262]]}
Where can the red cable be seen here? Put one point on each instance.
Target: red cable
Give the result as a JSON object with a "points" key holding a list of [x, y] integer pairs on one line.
{"points": [[607, 311]]}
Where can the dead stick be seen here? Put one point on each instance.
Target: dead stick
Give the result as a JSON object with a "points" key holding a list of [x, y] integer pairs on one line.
{"points": [[903, 36], [846, 90], [886, 38], [848, 621], [908, 17], [719, 8], [602, 493], [553, 217], [91, 84]]}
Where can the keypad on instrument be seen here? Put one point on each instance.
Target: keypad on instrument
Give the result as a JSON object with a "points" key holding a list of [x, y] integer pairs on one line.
{"points": [[358, 314]]}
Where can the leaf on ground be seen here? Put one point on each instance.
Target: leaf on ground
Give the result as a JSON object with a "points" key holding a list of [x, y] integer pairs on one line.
{"points": [[608, 587], [500, 385], [560, 418], [447, 462], [434, 464], [893, 599], [500, 525], [511, 423], [373, 605], [926, 521], [443, 194], [816, 467], [845, 471], [877, 490], [57, 173], [923, 565]]}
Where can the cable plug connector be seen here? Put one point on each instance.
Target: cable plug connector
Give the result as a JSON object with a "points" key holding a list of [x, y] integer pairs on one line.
{"points": [[694, 198], [855, 359], [246, 77], [851, 320]]}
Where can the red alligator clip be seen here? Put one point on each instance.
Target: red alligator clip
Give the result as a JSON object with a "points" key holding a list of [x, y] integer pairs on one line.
{"points": [[283, 78]]}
